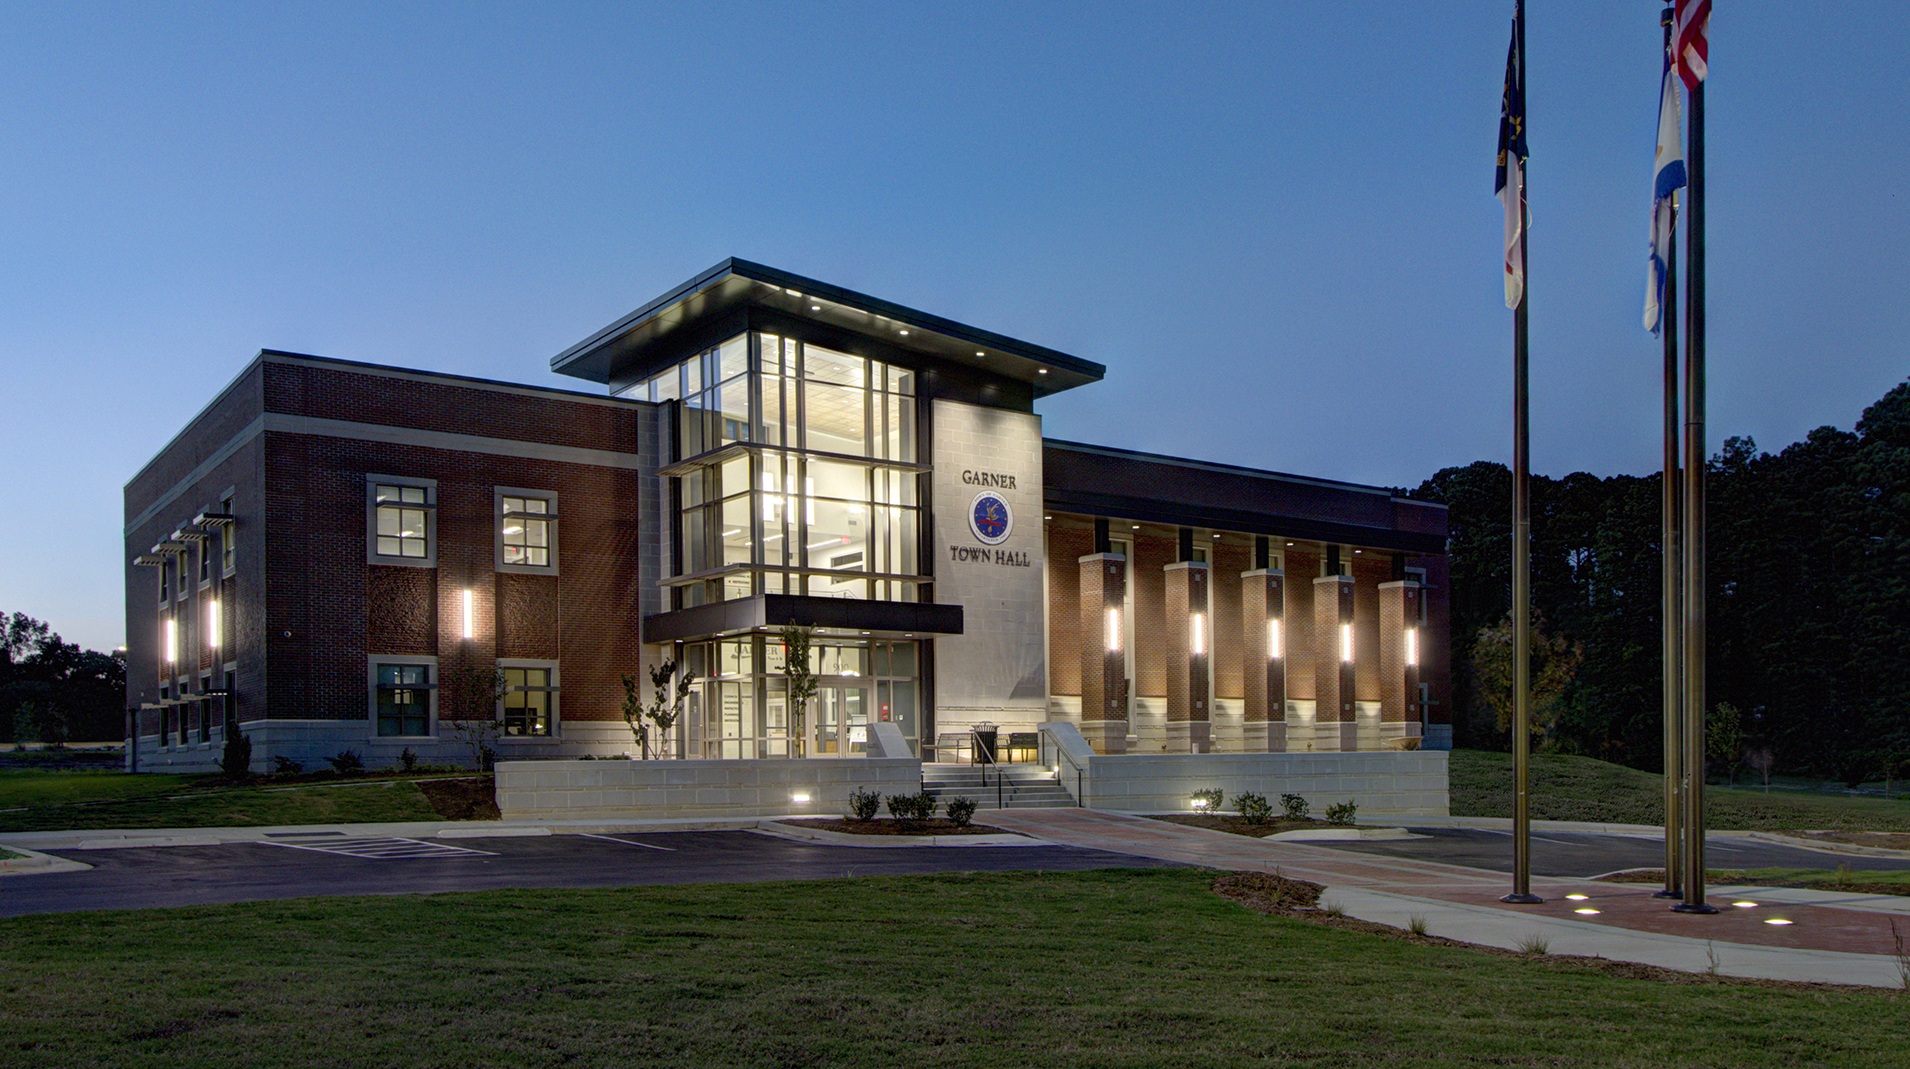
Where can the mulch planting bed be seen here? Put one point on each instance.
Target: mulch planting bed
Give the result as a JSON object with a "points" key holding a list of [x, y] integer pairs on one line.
{"points": [[462, 799], [938, 826], [1235, 825]]}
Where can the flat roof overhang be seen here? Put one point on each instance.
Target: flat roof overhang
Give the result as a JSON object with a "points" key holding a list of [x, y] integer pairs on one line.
{"points": [[884, 619], [638, 344]]}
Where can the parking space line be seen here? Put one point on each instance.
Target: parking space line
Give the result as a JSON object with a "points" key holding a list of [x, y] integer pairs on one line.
{"points": [[626, 842], [378, 848]]}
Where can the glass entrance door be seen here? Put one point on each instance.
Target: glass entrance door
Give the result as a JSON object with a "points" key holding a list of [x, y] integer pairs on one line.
{"points": [[842, 720]]}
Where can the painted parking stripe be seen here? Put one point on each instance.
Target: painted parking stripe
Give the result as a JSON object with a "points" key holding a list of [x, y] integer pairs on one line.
{"points": [[379, 848], [627, 842]]}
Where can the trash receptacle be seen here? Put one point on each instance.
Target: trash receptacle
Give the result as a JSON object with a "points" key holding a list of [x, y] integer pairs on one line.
{"points": [[985, 744]]}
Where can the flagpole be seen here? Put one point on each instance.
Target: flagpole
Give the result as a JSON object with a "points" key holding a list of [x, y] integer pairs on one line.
{"points": [[1673, 623], [1521, 545], [1694, 502]]}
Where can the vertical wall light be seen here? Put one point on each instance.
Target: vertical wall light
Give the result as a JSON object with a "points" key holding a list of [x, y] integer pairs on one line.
{"points": [[172, 641], [467, 614], [1199, 645], [1273, 639], [1114, 631], [1346, 643], [215, 632], [1412, 645]]}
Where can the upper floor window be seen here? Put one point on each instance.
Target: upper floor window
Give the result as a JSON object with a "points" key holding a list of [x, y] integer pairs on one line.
{"points": [[526, 530], [227, 537], [401, 517]]}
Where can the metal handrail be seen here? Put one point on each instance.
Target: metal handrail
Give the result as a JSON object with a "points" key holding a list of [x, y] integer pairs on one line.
{"points": [[987, 756], [1079, 800]]}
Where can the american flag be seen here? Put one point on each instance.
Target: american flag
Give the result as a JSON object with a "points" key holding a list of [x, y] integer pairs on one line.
{"points": [[1690, 40]]}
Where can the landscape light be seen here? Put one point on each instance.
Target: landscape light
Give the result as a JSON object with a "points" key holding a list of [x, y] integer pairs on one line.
{"points": [[213, 630], [1587, 910], [1200, 803], [1777, 920], [1745, 905], [467, 614], [800, 798], [1577, 898]]}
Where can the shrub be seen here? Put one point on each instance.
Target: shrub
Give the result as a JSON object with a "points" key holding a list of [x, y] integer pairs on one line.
{"points": [[1254, 806], [1295, 806], [961, 811], [285, 766], [1208, 800], [408, 760], [347, 763], [442, 770], [236, 761], [912, 808], [1341, 814], [864, 803]]}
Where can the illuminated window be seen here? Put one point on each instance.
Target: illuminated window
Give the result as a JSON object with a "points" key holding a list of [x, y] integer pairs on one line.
{"points": [[529, 704], [401, 515], [402, 696], [526, 530]]}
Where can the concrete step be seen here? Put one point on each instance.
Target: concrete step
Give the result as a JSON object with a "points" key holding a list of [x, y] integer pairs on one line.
{"points": [[1041, 795]]}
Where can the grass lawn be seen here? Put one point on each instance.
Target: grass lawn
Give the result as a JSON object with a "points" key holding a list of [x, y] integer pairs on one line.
{"points": [[1106, 968], [36, 800], [1580, 788]]}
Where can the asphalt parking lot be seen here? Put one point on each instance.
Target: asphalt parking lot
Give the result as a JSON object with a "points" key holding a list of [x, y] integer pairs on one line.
{"points": [[335, 863]]}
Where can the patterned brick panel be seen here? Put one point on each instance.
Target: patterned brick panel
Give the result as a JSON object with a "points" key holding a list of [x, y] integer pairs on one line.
{"points": [[1368, 573], [1066, 547], [527, 616], [1301, 570], [1263, 598], [1152, 553], [1224, 590], [1333, 601], [1102, 579], [401, 611], [1187, 589], [1399, 681]]}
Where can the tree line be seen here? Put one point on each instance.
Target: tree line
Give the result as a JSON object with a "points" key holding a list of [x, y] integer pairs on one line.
{"points": [[53, 691], [1808, 604]]}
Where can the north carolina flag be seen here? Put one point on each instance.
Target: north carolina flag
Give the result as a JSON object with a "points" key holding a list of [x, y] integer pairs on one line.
{"points": [[1690, 41], [1668, 175], [1512, 156]]}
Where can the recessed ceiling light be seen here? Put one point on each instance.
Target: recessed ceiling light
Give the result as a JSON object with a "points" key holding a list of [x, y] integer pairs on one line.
{"points": [[905, 334], [815, 308], [1041, 371], [792, 293], [978, 352], [1137, 527]]}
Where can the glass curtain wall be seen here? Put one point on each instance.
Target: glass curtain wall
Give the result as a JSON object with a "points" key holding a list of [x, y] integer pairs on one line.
{"points": [[742, 694], [798, 473]]}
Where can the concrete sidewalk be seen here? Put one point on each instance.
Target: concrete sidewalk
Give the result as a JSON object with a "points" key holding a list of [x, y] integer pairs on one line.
{"points": [[1825, 938]]}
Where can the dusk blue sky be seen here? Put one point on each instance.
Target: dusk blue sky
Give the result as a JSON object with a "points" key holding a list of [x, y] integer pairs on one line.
{"points": [[1272, 221]]}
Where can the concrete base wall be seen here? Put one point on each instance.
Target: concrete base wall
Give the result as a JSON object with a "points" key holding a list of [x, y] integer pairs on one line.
{"points": [[310, 742], [1382, 784], [649, 790]]}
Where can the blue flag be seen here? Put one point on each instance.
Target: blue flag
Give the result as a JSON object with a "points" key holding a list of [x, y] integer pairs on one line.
{"points": [[1668, 175]]}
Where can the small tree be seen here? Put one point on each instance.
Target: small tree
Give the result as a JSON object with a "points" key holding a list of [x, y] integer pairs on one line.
{"points": [[1554, 662], [801, 682], [467, 700], [1724, 738], [661, 712]]}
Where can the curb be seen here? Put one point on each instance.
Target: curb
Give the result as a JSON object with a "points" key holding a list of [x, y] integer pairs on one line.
{"points": [[840, 838], [1822, 846], [36, 863]]}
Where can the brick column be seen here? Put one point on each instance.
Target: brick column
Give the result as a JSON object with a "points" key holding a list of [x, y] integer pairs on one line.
{"points": [[1262, 611], [1104, 662], [1400, 639], [1333, 671], [1190, 641]]}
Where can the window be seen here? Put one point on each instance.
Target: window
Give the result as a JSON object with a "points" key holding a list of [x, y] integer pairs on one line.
{"points": [[165, 589], [403, 697], [401, 517], [230, 702], [228, 536], [165, 715], [529, 703], [204, 708], [526, 531], [205, 563]]}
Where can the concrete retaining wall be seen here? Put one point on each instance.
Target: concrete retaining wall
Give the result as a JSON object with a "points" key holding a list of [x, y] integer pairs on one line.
{"points": [[649, 790], [1382, 784]]}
